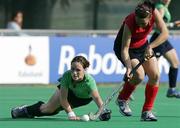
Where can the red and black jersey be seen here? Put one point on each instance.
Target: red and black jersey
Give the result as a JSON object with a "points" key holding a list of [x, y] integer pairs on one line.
{"points": [[138, 34]]}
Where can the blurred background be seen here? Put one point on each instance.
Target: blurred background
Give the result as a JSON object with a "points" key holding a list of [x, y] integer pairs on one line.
{"points": [[72, 14], [42, 39]]}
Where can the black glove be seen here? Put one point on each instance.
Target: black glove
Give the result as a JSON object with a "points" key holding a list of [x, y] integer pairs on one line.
{"points": [[105, 115]]}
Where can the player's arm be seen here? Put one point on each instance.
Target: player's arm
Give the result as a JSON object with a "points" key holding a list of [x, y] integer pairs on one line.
{"points": [[105, 112], [65, 104], [161, 12], [126, 40], [170, 24], [161, 26], [96, 97]]}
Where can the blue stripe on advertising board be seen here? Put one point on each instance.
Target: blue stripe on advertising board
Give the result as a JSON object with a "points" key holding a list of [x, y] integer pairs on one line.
{"points": [[99, 51]]}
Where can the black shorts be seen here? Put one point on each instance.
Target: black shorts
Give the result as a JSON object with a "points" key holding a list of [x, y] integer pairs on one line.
{"points": [[75, 101], [134, 53], [161, 49]]}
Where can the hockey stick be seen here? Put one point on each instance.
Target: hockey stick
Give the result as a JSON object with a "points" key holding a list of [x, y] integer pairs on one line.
{"points": [[115, 91]]}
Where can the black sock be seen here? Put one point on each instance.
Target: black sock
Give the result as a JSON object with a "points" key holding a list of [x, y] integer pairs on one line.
{"points": [[173, 72], [34, 109]]}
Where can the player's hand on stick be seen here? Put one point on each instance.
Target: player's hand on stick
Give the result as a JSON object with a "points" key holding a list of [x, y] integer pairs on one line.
{"points": [[94, 116], [148, 53], [91, 116], [128, 75]]}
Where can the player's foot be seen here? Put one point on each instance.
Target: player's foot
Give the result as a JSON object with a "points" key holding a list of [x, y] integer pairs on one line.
{"points": [[148, 116], [124, 107], [172, 92], [20, 112]]}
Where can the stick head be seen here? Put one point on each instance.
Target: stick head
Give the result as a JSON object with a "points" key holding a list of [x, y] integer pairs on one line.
{"points": [[105, 115]]}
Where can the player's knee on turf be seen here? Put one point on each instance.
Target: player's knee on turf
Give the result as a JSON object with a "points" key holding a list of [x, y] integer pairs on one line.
{"points": [[105, 115]]}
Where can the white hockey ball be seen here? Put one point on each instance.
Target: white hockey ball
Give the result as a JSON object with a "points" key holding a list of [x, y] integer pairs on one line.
{"points": [[85, 118]]}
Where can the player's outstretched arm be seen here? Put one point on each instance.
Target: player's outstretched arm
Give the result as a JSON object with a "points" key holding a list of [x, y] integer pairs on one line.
{"points": [[65, 104]]}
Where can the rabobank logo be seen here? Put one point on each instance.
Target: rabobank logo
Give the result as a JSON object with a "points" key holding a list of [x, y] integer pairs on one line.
{"points": [[104, 65], [107, 63]]}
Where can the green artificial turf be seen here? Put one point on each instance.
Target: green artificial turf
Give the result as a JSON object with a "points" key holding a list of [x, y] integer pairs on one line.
{"points": [[166, 109]]}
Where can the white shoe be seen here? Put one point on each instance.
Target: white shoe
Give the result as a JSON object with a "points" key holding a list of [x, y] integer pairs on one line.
{"points": [[124, 107]]}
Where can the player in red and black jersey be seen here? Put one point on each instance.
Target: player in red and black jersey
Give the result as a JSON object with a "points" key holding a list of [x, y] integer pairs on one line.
{"points": [[131, 47]]}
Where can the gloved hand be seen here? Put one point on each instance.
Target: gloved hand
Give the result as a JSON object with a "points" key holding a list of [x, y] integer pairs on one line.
{"points": [[105, 115]]}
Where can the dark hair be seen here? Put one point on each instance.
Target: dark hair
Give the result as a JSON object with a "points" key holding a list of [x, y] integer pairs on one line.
{"points": [[144, 9], [84, 62]]}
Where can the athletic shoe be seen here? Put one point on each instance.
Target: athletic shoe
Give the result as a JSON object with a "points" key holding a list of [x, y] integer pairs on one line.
{"points": [[124, 107], [20, 112], [148, 116], [173, 93]]}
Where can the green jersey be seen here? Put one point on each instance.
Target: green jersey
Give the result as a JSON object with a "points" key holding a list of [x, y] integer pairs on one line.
{"points": [[167, 15], [80, 89]]}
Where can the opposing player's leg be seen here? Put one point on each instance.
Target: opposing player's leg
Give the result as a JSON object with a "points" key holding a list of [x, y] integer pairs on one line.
{"points": [[151, 69], [172, 58], [128, 88]]}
